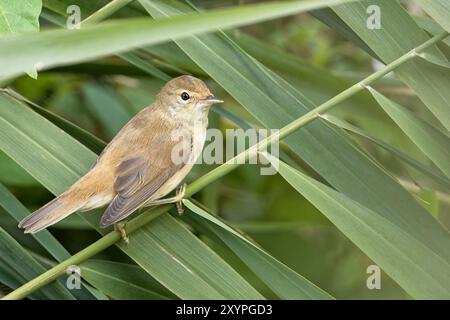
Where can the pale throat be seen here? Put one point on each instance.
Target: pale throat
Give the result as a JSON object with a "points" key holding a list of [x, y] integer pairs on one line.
{"points": [[194, 123], [196, 118], [197, 122]]}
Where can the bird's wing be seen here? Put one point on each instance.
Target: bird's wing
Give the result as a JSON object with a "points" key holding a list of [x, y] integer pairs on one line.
{"points": [[137, 180]]}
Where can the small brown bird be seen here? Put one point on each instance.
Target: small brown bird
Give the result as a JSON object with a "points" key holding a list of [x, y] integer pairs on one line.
{"points": [[145, 161]]}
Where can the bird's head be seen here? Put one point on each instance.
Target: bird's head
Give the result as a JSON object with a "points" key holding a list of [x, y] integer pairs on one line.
{"points": [[187, 93]]}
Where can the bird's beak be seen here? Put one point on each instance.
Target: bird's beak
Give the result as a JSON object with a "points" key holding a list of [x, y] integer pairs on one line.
{"points": [[212, 99]]}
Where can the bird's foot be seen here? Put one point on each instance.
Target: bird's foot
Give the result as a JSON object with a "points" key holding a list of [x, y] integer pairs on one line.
{"points": [[181, 191], [120, 228]]}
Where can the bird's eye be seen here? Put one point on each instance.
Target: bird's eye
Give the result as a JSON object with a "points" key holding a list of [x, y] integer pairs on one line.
{"points": [[185, 96]]}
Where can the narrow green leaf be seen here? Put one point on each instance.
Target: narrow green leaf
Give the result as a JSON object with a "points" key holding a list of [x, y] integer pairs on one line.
{"points": [[13, 174], [13, 206], [417, 269], [105, 11], [144, 65], [231, 116], [171, 53], [412, 162], [59, 47], [332, 20], [400, 34], [136, 98], [187, 267], [434, 143], [430, 57], [285, 282], [40, 147], [87, 7], [430, 26], [10, 278], [16, 209], [85, 137], [106, 107], [122, 281], [17, 258]]}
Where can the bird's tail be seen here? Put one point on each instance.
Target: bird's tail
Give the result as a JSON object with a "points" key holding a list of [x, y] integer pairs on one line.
{"points": [[51, 213]]}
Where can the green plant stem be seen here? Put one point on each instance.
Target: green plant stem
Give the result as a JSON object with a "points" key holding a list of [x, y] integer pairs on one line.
{"points": [[112, 237], [105, 11]]}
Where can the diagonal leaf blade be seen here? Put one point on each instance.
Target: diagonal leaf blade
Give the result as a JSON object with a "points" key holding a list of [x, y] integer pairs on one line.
{"points": [[16, 209], [187, 267], [85, 137], [434, 143], [412, 162], [17, 258], [122, 281], [439, 10], [106, 107], [420, 271], [281, 279]]}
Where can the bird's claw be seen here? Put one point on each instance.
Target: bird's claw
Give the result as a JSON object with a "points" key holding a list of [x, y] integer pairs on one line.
{"points": [[120, 228], [181, 191]]}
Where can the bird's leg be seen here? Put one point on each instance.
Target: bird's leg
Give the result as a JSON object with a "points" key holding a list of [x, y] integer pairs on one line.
{"points": [[181, 191], [178, 199], [120, 228]]}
